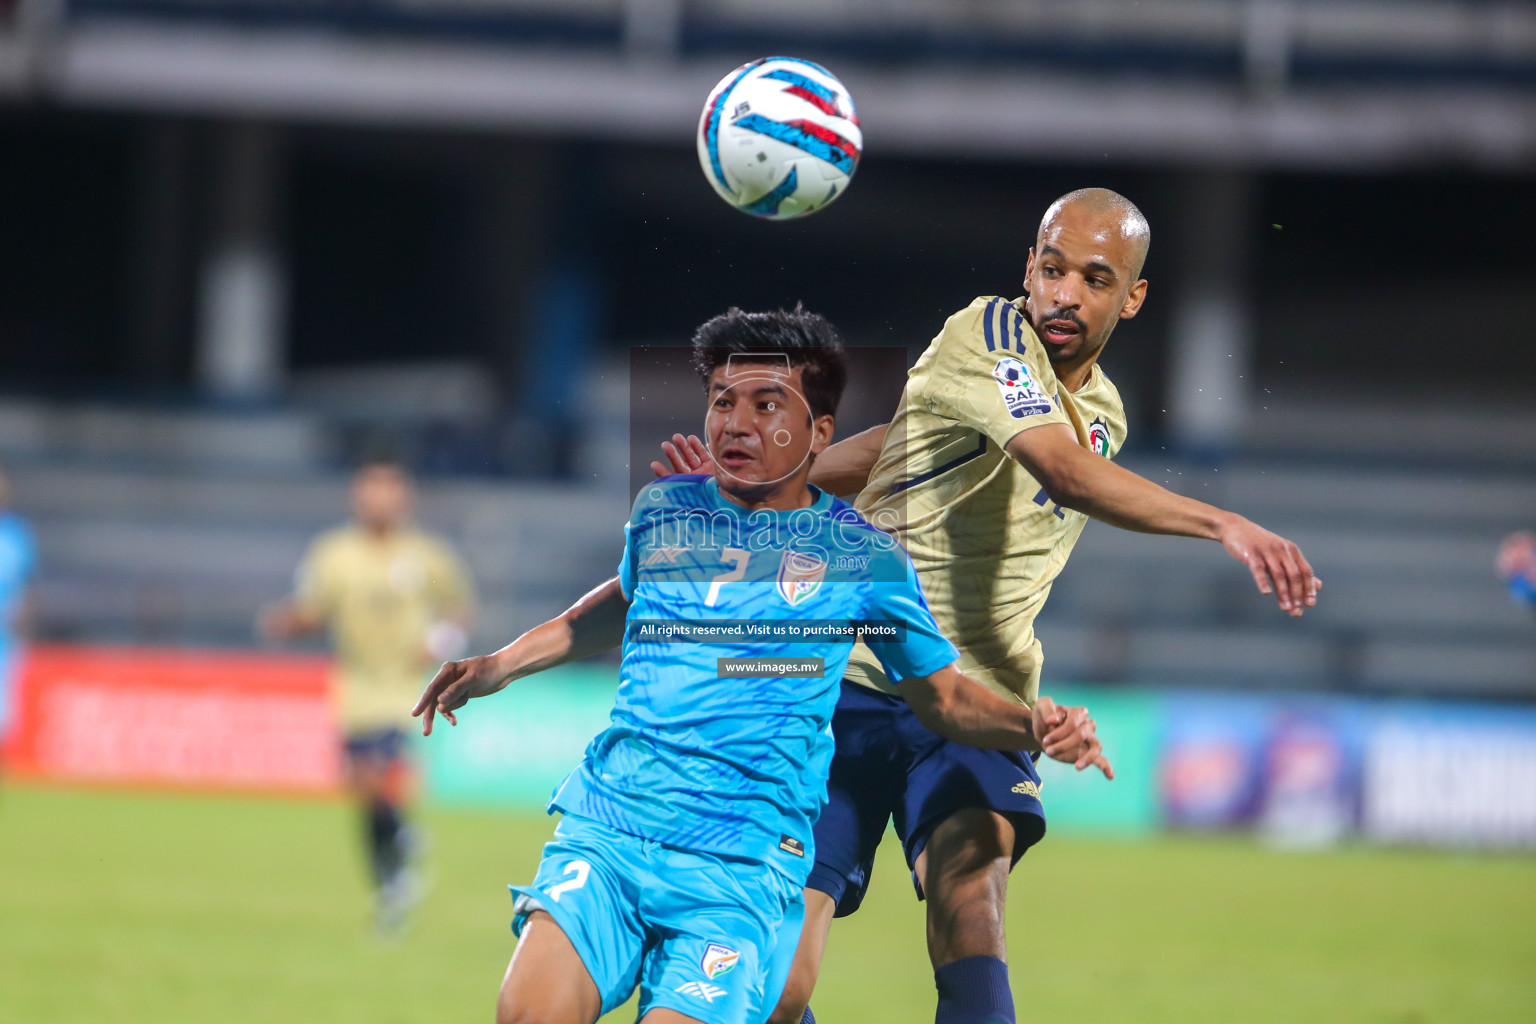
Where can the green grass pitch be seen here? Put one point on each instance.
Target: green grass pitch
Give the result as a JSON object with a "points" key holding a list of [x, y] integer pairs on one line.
{"points": [[156, 909]]}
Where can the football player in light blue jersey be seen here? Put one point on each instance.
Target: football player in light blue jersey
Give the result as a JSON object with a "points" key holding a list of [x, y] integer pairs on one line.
{"points": [[687, 829], [17, 555]]}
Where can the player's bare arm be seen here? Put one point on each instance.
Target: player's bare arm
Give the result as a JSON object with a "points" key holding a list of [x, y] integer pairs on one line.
{"points": [[1076, 478], [591, 626], [959, 708], [844, 468], [284, 620]]}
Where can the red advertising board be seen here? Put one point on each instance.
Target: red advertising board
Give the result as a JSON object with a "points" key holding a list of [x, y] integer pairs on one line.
{"points": [[169, 717]]}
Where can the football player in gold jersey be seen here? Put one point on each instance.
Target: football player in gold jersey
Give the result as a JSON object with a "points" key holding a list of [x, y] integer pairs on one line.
{"points": [[397, 601], [997, 456]]}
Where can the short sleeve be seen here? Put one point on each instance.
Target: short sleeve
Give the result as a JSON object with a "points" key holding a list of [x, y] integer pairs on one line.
{"points": [[919, 649], [452, 588], [26, 552], [314, 582], [992, 374], [627, 564]]}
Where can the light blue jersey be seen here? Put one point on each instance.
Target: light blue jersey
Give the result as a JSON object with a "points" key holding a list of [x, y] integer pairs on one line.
{"points": [[687, 830], [17, 555], [737, 767]]}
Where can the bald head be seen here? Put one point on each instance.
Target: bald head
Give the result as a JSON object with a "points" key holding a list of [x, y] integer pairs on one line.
{"points": [[1084, 276], [1111, 211]]}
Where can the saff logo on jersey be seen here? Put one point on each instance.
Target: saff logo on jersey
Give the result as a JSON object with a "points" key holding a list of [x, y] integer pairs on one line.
{"points": [[1021, 394], [718, 960], [1098, 437], [702, 989], [800, 576]]}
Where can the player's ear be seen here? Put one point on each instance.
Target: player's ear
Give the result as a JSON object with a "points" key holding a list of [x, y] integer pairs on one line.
{"points": [[1133, 299], [821, 433], [1029, 269]]}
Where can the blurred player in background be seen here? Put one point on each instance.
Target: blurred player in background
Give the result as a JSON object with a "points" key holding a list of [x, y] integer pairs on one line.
{"points": [[397, 602], [1517, 565], [997, 456], [687, 828], [17, 555]]}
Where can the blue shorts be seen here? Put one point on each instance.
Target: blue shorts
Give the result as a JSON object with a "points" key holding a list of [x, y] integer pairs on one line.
{"points": [[889, 766], [386, 744], [696, 933]]}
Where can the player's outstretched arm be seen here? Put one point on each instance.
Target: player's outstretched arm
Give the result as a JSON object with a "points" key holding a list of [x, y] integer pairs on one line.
{"points": [[843, 468], [959, 708], [283, 620], [1076, 478], [591, 626]]}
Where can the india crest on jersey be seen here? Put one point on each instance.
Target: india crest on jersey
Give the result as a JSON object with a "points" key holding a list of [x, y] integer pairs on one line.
{"points": [[800, 576], [718, 959]]}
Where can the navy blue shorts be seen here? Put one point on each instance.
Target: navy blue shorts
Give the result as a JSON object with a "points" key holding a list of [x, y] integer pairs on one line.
{"points": [[889, 766], [385, 744]]}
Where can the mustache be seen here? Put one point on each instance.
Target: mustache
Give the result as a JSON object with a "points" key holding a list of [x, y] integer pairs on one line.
{"points": [[1062, 314]]}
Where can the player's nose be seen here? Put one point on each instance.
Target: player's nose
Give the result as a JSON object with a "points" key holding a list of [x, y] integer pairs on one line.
{"points": [[1069, 292], [739, 420]]}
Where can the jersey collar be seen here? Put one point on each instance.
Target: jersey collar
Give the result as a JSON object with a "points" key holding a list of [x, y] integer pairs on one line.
{"points": [[821, 503]]}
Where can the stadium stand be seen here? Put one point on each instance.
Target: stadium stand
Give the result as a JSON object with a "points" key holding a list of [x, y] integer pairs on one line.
{"points": [[183, 544]]}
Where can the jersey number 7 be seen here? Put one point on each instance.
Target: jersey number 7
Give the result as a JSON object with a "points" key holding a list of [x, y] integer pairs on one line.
{"points": [[738, 559]]}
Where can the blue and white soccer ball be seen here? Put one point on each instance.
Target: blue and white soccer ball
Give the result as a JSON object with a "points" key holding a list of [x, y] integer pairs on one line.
{"points": [[779, 138]]}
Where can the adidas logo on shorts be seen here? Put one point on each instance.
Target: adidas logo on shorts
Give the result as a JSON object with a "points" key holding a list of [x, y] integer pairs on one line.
{"points": [[703, 989], [1028, 788]]}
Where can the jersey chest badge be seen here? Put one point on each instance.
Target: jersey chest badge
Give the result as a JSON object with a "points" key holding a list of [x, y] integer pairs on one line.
{"points": [[800, 576], [1098, 437], [1021, 393], [717, 960]]}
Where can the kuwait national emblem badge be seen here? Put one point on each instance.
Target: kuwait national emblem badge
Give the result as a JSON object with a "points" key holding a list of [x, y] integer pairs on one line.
{"points": [[1098, 437], [718, 960], [800, 576]]}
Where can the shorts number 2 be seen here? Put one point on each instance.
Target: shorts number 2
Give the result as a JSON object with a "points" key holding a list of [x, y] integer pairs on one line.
{"points": [[581, 869]]}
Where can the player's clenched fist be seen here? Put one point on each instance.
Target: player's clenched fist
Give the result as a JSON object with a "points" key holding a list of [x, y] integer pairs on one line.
{"points": [[453, 687], [1069, 735]]}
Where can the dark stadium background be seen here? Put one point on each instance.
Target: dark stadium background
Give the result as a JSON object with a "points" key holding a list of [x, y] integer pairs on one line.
{"points": [[446, 228], [1411, 281]]}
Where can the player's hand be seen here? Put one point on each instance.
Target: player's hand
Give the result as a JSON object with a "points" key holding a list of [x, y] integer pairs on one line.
{"points": [[1069, 735], [684, 455], [1278, 566], [453, 687]]}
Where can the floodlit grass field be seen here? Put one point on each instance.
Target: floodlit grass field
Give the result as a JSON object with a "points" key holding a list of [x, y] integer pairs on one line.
{"points": [[133, 909]]}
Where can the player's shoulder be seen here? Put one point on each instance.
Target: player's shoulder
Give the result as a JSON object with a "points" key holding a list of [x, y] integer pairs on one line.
{"points": [[856, 535], [678, 492], [432, 544], [15, 530], [845, 515], [990, 324], [336, 539]]}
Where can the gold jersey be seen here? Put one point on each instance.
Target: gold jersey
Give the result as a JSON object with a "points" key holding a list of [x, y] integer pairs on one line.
{"points": [[985, 538], [379, 596]]}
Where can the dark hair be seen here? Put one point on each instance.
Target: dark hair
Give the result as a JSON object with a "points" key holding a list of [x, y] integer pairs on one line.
{"points": [[382, 460], [805, 339]]}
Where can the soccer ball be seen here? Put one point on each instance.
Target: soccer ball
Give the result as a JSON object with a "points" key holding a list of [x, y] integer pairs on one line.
{"points": [[779, 138]]}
